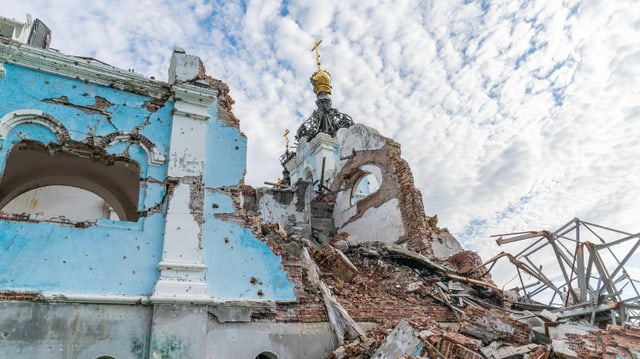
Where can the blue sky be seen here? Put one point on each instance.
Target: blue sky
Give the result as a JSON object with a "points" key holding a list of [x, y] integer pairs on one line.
{"points": [[513, 115]]}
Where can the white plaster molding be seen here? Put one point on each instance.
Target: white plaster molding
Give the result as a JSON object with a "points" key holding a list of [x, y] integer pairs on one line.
{"points": [[182, 266], [146, 300], [193, 101], [154, 156], [81, 69], [322, 140], [92, 298], [19, 117], [187, 147], [191, 113]]}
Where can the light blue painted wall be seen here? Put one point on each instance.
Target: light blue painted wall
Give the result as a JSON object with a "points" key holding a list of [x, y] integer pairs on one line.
{"points": [[121, 257], [110, 257], [234, 255], [101, 259]]}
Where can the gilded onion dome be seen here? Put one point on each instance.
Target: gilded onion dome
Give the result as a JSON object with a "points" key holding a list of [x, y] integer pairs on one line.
{"points": [[325, 119]]}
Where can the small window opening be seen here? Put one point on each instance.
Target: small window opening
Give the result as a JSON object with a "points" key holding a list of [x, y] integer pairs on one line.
{"points": [[266, 355], [74, 182], [364, 187]]}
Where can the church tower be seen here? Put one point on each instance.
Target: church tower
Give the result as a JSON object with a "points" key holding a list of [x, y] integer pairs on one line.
{"points": [[317, 152]]}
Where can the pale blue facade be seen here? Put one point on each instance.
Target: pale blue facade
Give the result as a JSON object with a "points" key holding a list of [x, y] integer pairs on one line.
{"points": [[112, 257]]}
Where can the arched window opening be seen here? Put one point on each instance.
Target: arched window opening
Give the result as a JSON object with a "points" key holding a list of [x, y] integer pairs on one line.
{"points": [[366, 185], [106, 357], [307, 175], [266, 355], [61, 202], [32, 169]]}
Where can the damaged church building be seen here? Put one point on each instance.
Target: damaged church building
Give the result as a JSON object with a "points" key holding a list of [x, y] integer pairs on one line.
{"points": [[127, 231]]}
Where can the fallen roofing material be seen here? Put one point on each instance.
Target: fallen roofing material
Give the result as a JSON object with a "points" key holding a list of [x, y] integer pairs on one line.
{"points": [[428, 308], [594, 281]]}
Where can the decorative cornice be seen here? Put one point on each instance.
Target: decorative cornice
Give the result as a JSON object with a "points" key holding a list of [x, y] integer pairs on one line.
{"points": [[194, 95], [322, 140], [82, 69], [193, 101]]}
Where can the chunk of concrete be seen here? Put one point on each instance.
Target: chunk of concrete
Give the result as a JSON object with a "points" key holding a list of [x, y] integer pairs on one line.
{"points": [[402, 342]]}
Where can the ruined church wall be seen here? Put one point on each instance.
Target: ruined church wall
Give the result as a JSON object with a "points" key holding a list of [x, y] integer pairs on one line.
{"points": [[290, 208], [191, 158], [284, 340], [377, 216], [108, 257], [37, 330]]}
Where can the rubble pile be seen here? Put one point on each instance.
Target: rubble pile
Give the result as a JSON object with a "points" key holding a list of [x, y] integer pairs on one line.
{"points": [[386, 300], [446, 318]]}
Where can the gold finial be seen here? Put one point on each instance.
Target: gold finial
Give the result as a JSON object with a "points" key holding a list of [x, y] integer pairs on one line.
{"points": [[321, 80]]}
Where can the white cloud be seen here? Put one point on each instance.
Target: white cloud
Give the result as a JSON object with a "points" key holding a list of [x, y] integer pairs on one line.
{"points": [[514, 115]]}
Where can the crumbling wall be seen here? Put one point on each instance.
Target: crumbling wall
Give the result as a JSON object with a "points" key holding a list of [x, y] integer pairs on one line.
{"points": [[288, 207], [191, 156], [393, 213], [285, 340]]}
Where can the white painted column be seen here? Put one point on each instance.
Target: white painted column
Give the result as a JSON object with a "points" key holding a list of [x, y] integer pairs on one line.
{"points": [[323, 146], [182, 268]]}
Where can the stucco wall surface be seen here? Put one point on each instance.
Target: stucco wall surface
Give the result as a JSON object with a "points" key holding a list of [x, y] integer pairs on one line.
{"points": [[36, 330], [108, 257]]}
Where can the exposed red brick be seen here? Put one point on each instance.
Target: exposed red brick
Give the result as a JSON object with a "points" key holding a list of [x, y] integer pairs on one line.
{"points": [[466, 261], [17, 296], [331, 260], [397, 182]]}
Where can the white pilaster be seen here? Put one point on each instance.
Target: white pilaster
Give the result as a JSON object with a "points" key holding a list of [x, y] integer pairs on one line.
{"points": [[182, 268]]}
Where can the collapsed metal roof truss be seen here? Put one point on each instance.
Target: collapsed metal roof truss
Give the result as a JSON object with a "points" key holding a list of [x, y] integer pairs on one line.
{"points": [[588, 276]]}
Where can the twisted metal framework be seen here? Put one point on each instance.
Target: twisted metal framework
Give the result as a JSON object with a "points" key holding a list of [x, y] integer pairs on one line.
{"points": [[587, 278], [323, 120]]}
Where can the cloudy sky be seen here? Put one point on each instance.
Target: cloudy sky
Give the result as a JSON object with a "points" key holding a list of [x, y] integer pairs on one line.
{"points": [[515, 115]]}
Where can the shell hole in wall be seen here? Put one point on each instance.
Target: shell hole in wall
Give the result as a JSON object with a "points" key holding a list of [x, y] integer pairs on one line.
{"points": [[65, 178], [266, 355], [61, 202], [366, 185]]}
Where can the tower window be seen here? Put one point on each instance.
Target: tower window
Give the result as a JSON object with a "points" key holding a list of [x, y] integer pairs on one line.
{"points": [[364, 187]]}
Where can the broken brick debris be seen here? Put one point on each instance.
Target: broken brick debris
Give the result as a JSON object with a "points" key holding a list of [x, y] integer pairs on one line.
{"points": [[469, 264], [330, 257], [452, 306], [491, 325]]}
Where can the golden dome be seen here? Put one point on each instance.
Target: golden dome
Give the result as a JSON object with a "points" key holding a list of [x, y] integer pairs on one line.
{"points": [[321, 81]]}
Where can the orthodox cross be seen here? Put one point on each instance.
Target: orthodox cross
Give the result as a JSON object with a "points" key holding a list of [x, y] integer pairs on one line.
{"points": [[317, 50]]}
